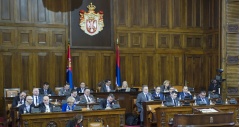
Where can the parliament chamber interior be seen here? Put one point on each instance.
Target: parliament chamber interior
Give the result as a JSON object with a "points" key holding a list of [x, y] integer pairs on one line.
{"points": [[119, 63]]}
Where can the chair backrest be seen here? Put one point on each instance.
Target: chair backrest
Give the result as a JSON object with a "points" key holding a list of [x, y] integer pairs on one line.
{"points": [[139, 88], [95, 124], [57, 89], [179, 88], [11, 92]]}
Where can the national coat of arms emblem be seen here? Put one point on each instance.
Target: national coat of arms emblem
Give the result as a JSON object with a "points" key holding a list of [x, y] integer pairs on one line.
{"points": [[91, 22]]}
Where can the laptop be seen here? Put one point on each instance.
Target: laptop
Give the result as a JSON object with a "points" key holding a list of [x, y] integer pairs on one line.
{"points": [[157, 98], [134, 89], [122, 90]]}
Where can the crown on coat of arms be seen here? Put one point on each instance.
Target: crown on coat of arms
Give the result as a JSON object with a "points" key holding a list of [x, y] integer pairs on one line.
{"points": [[91, 7]]}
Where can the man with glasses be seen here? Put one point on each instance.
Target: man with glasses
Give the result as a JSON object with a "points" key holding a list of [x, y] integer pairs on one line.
{"points": [[26, 108], [202, 99], [46, 106]]}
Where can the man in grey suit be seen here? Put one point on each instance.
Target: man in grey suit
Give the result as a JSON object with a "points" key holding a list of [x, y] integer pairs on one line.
{"points": [[143, 97], [86, 97]]}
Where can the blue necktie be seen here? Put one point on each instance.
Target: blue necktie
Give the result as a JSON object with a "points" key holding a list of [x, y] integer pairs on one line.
{"points": [[147, 98]]}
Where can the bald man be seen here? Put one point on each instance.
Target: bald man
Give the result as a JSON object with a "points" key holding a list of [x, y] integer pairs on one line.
{"points": [[26, 108], [87, 97], [46, 106], [37, 99]]}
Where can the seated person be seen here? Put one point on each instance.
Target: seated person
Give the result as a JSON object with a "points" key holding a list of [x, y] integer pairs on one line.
{"points": [[19, 100], [202, 99], [46, 90], [144, 96], [75, 95], [65, 91], [157, 94], [106, 87], [167, 95], [37, 99], [82, 88], [166, 86], [185, 94], [214, 87], [46, 106], [69, 106], [109, 102], [26, 108], [172, 100], [125, 86], [76, 121], [87, 97]]}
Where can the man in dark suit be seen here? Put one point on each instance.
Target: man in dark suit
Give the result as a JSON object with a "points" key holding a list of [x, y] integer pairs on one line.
{"points": [[157, 93], [26, 108], [46, 106], [65, 91], [185, 93], [87, 97], [213, 87], [82, 88], [106, 87], [144, 96], [19, 100], [109, 102], [46, 90], [202, 99], [74, 95], [37, 99], [172, 100]]}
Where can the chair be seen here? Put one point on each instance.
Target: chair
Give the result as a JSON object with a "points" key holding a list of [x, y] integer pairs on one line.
{"points": [[57, 89], [11, 92], [152, 113], [179, 88], [97, 123]]}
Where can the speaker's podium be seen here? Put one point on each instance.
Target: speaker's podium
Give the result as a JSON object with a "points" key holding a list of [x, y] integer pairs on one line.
{"points": [[204, 117]]}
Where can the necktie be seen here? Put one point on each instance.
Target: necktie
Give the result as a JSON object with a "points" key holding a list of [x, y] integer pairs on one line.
{"points": [[147, 98], [82, 90], [36, 101], [45, 92], [175, 103], [88, 99]]}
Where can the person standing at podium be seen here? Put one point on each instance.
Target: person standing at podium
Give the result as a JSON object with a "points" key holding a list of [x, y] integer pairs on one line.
{"points": [[144, 96], [202, 99]]}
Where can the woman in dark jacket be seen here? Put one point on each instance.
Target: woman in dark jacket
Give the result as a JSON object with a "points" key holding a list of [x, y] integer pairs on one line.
{"points": [[75, 122]]}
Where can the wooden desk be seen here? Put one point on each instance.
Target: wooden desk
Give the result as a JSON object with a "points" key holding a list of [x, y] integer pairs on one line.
{"points": [[165, 114], [113, 118], [207, 119]]}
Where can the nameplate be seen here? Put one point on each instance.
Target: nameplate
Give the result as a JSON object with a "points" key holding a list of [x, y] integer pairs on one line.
{"points": [[232, 28], [232, 60], [232, 90]]}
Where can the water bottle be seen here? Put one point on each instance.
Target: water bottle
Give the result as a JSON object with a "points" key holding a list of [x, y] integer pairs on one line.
{"points": [[24, 111], [194, 97], [180, 97], [209, 96], [162, 104]]}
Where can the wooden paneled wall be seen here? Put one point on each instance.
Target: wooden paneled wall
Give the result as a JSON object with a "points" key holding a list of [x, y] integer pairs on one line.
{"points": [[176, 40], [230, 45]]}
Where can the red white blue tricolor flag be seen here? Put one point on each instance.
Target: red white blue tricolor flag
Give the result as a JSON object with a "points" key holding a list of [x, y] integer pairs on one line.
{"points": [[118, 77], [69, 76]]}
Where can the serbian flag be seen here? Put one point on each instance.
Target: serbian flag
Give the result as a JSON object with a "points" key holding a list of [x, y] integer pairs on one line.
{"points": [[69, 77], [118, 78]]}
